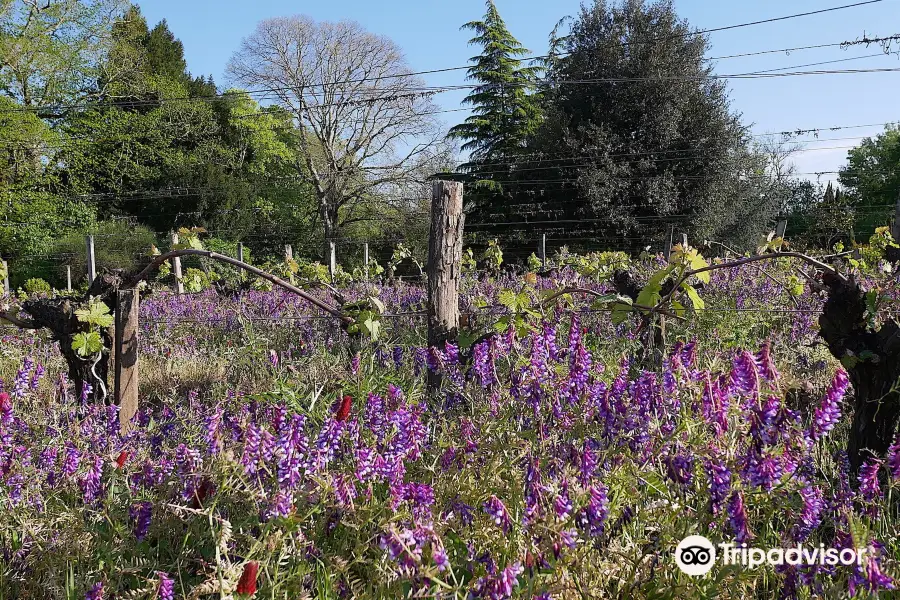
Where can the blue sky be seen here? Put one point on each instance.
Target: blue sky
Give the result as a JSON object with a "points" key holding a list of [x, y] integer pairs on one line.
{"points": [[428, 31]]}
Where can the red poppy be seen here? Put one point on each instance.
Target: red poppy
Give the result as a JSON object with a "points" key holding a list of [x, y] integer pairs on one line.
{"points": [[5, 404], [247, 582], [343, 410], [120, 461]]}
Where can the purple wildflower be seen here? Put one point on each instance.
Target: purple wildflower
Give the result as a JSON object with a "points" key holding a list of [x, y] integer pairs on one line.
{"points": [[811, 514], [95, 593], [828, 413], [141, 514], [166, 590], [719, 485], [893, 459], [90, 484], [592, 517], [498, 513], [737, 518], [869, 487]]}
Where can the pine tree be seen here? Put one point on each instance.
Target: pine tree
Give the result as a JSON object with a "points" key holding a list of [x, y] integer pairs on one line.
{"points": [[505, 110]]}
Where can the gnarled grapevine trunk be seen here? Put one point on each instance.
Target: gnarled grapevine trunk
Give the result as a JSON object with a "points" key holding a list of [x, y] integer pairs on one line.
{"points": [[872, 359], [58, 315]]}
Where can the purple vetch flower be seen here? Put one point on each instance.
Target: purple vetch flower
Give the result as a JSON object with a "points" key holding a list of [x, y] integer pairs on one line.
{"points": [[327, 443], [869, 487], [95, 593], [483, 367], [811, 513], [403, 547], [281, 506], [354, 364], [73, 459], [344, 490], [439, 554], [762, 469], [250, 457], [397, 355], [828, 413], [719, 484], [737, 518], [166, 589], [765, 364], [36, 378], [563, 504], [498, 513], [893, 459], [593, 516], [680, 468], [745, 376], [21, 383], [91, 486], [501, 586], [141, 514], [213, 443]]}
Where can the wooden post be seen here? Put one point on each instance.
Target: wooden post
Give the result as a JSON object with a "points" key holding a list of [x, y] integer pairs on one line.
{"points": [[366, 259], [91, 264], [240, 256], [543, 251], [684, 242], [288, 252], [332, 260], [671, 242], [176, 266], [781, 229], [68, 278], [5, 277], [126, 356], [895, 227], [444, 265]]}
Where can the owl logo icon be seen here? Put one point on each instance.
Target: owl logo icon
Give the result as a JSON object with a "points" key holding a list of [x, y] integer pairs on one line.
{"points": [[695, 555]]}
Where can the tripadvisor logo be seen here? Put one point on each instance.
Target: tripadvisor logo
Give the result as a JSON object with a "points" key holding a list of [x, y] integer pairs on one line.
{"points": [[695, 555]]}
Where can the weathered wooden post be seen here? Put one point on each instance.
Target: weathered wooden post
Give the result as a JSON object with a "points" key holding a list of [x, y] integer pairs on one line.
{"points": [[366, 259], [176, 267], [126, 356], [240, 256], [5, 277], [332, 260], [444, 265], [288, 252], [91, 265], [781, 229], [543, 251], [671, 242], [684, 240], [68, 278]]}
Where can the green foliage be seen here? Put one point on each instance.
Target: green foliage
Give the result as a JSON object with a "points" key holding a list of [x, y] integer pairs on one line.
{"points": [[598, 266], [196, 280], [93, 317], [534, 263], [35, 285], [505, 109], [401, 253], [117, 245], [366, 315], [872, 179], [493, 257]]}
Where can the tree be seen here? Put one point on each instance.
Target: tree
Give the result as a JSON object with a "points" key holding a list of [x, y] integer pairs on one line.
{"points": [[364, 123], [637, 135], [49, 51], [872, 179], [505, 112]]}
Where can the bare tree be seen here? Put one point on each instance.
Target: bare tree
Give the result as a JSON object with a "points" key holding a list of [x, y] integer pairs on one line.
{"points": [[365, 124]]}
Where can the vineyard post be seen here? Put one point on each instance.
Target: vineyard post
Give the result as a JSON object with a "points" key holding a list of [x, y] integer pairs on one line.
{"points": [[895, 226], [332, 260], [240, 256], [5, 277], [671, 242], [684, 240], [781, 229], [366, 259], [288, 252], [444, 265], [126, 356], [68, 278], [543, 251], [91, 265], [176, 266]]}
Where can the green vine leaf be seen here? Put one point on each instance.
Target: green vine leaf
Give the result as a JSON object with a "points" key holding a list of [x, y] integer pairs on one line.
{"points": [[696, 300], [87, 343], [96, 315]]}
